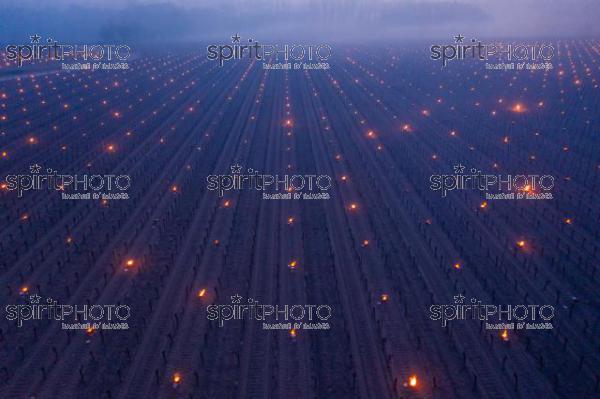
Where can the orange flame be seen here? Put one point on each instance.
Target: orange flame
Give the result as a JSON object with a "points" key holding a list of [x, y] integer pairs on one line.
{"points": [[176, 378], [413, 381]]}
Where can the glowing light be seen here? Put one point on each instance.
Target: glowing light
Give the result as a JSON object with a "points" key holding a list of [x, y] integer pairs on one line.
{"points": [[371, 134], [434, 156], [457, 266], [353, 206], [527, 188], [293, 333], [69, 240], [4, 154], [338, 157], [24, 290], [504, 335], [518, 108], [483, 205], [568, 221], [129, 263], [290, 220], [293, 264], [90, 331], [406, 128], [202, 293], [384, 298], [174, 188], [110, 148], [521, 243], [176, 378], [413, 381], [365, 243], [505, 140], [288, 122], [216, 243], [24, 217], [344, 178], [3, 186], [226, 204], [32, 140], [453, 133]]}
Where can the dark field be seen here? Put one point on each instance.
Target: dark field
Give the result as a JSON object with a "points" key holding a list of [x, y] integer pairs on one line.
{"points": [[379, 252]]}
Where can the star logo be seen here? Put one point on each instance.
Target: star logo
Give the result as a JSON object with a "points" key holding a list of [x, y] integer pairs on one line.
{"points": [[236, 169], [235, 38], [460, 168], [236, 298], [34, 298], [459, 298], [35, 38], [35, 168], [459, 38]]}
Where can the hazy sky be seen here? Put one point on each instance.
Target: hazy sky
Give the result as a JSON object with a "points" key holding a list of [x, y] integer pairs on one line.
{"points": [[326, 20]]}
